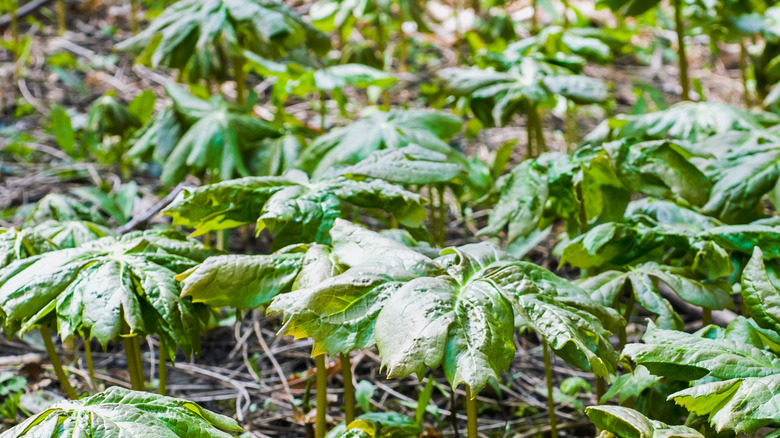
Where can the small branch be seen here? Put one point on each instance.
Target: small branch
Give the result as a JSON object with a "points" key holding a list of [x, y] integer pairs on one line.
{"points": [[22, 12], [139, 220]]}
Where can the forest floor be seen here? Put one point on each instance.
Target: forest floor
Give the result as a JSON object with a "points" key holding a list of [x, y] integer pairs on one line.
{"points": [[244, 368]]}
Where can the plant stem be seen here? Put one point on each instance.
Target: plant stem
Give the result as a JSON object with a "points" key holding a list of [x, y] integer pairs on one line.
{"points": [[572, 129], [133, 355], [601, 388], [163, 372], [60, 17], [349, 389], [680, 29], [322, 395], [240, 76], [442, 217], [471, 412], [549, 377], [55, 362], [706, 316], [565, 14], [323, 111], [534, 21], [541, 144], [434, 223], [744, 73], [623, 336], [529, 132], [223, 240], [90, 365], [402, 43], [134, 7]]}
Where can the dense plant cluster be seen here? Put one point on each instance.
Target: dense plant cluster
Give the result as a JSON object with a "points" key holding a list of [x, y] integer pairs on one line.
{"points": [[384, 230]]}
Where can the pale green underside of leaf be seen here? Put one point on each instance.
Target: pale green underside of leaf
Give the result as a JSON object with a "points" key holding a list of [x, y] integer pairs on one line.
{"points": [[121, 413]]}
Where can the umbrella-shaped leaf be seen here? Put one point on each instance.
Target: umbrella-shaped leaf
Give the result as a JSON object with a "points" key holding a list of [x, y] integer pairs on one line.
{"points": [[742, 177], [62, 208], [93, 288], [408, 165], [198, 37], [579, 89], [380, 130], [623, 422], [458, 310], [292, 208], [121, 412], [760, 294], [466, 328], [743, 401], [690, 121], [658, 168], [240, 281]]}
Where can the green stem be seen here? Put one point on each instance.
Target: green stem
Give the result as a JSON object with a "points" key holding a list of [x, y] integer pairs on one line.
{"points": [[572, 130], [133, 355], [601, 388], [323, 111], [706, 316], [402, 43], [744, 73], [565, 14], [349, 389], [680, 29], [434, 223], [55, 362], [134, 8], [88, 357], [60, 17], [550, 400], [380, 34], [442, 217], [322, 395], [541, 144], [223, 240], [529, 132], [534, 21], [15, 32], [163, 373], [471, 412], [623, 336], [240, 76]]}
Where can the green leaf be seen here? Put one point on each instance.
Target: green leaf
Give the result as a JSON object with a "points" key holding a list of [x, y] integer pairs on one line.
{"points": [[198, 37], [532, 195], [61, 208], [292, 208], [689, 121], [582, 90], [759, 293], [684, 356], [408, 165], [467, 328], [464, 310], [744, 238], [364, 392], [240, 281], [215, 142], [628, 423], [89, 290], [63, 129], [743, 405], [380, 130], [658, 168], [121, 412], [742, 177]]}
